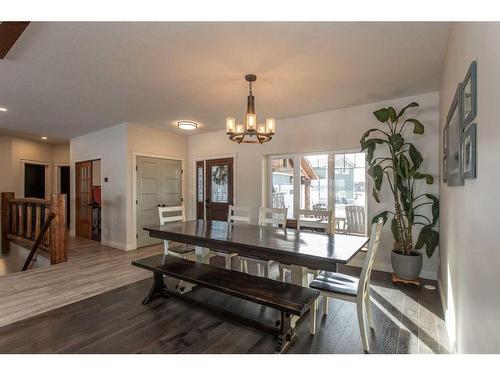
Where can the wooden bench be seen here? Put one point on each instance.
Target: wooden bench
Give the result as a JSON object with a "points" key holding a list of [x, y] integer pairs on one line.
{"points": [[288, 299]]}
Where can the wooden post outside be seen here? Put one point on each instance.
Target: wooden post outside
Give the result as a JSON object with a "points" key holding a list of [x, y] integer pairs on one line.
{"points": [[58, 235], [5, 221]]}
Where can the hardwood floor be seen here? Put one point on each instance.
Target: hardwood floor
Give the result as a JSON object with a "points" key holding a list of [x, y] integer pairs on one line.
{"points": [[91, 269], [87, 316]]}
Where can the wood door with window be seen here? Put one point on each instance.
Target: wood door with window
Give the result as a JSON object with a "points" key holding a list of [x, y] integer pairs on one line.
{"points": [[83, 214], [219, 188], [200, 190]]}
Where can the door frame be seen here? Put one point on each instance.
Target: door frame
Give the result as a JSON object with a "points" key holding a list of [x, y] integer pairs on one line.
{"points": [[192, 212], [49, 172], [57, 176], [72, 188], [57, 189], [135, 154]]}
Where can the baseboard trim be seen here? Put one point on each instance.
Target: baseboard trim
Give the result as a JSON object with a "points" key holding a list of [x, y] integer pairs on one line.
{"points": [[386, 267], [118, 245]]}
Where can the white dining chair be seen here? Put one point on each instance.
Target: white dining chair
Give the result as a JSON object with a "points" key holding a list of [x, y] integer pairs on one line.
{"points": [[181, 250], [267, 217], [310, 219], [235, 214], [352, 289]]}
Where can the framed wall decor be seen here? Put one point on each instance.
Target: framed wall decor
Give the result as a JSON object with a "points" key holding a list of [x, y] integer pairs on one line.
{"points": [[469, 98], [455, 133], [469, 152]]}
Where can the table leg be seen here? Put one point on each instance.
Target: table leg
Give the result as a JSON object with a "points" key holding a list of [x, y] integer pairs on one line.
{"points": [[298, 276], [202, 254]]}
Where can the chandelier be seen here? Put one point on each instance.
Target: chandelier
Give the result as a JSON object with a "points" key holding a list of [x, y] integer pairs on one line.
{"points": [[262, 132]]}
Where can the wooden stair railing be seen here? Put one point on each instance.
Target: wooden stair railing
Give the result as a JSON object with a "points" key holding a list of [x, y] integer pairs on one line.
{"points": [[38, 241], [24, 222]]}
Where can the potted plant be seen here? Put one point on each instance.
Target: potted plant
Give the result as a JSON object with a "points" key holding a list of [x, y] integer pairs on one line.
{"points": [[399, 164]]}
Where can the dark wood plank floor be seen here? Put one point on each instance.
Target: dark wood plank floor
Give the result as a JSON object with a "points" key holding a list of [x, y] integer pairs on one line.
{"points": [[407, 320]]}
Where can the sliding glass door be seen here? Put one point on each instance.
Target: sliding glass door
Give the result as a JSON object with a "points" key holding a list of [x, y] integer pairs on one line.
{"points": [[321, 181]]}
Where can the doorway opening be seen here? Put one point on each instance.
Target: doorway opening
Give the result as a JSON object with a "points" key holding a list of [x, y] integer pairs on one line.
{"points": [[88, 199], [34, 181], [64, 189], [214, 188]]}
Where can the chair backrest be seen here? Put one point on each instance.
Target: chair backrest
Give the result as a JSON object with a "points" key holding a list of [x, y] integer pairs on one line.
{"points": [[355, 218], [238, 214], [364, 279], [277, 216], [170, 219], [321, 219]]}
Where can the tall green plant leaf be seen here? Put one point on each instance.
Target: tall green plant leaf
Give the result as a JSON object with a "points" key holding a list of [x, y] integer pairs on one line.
{"points": [[403, 166], [378, 174], [394, 229], [415, 156], [383, 214], [375, 195], [396, 141], [434, 209], [382, 114], [428, 237], [418, 127], [392, 114], [369, 152], [366, 134], [429, 180], [401, 113], [370, 142]]}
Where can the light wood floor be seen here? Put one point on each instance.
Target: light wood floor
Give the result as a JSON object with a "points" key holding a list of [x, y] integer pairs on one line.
{"points": [[91, 269], [91, 304]]}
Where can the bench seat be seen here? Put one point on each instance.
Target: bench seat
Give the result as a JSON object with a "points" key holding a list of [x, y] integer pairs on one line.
{"points": [[289, 299]]}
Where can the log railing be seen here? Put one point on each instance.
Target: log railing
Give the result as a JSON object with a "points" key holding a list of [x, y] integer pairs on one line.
{"points": [[23, 219]]}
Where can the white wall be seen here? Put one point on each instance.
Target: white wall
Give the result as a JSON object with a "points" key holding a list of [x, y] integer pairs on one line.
{"points": [[470, 235], [117, 147], [326, 131], [152, 142], [96, 173], [109, 145]]}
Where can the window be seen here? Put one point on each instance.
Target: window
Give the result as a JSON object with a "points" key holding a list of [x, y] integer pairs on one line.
{"points": [[220, 183], [350, 181], [282, 177], [322, 181], [314, 182]]}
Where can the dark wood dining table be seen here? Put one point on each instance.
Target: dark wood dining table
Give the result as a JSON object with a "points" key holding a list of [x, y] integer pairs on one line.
{"points": [[302, 250]]}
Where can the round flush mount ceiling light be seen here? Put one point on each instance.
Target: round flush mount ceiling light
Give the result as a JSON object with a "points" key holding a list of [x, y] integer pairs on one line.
{"points": [[187, 125], [44, 138], [3, 109]]}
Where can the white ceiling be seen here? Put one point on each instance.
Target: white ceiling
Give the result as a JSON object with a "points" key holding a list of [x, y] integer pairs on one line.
{"points": [[67, 79]]}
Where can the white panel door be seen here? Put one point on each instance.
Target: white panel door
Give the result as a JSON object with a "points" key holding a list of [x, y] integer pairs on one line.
{"points": [[159, 182]]}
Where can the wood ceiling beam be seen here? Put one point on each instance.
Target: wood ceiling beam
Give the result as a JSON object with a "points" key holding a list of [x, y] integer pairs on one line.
{"points": [[9, 34]]}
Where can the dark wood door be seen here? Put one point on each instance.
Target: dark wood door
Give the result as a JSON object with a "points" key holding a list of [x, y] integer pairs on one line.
{"points": [[219, 188], [200, 190], [83, 214]]}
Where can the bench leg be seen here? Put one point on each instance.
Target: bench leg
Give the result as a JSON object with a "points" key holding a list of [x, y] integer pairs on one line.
{"points": [[156, 290], [286, 335]]}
